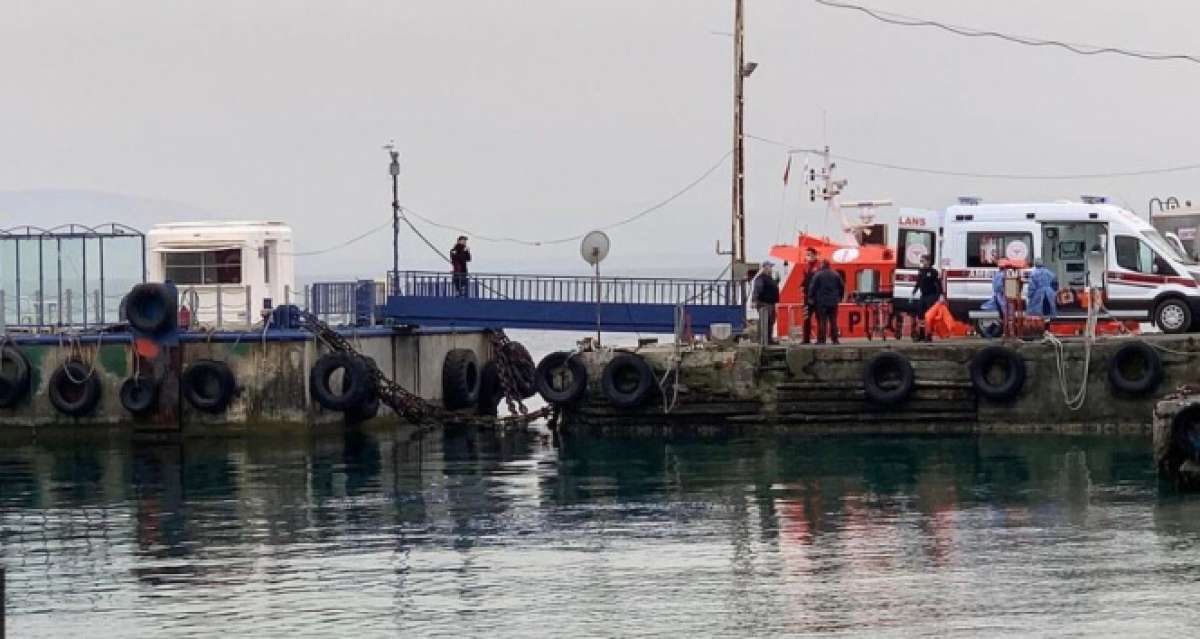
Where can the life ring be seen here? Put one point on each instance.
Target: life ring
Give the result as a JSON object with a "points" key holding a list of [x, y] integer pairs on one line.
{"points": [[522, 369], [139, 395], [354, 387], [151, 308], [460, 379], [14, 376], [1130, 355], [888, 378], [74, 389], [1011, 363], [208, 385], [490, 390], [561, 378], [627, 380]]}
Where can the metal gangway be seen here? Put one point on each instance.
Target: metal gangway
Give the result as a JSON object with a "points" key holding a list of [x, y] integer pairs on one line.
{"points": [[562, 302]]}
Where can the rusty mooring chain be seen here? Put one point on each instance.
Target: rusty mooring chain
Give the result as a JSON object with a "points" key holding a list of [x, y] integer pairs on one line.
{"points": [[416, 409]]}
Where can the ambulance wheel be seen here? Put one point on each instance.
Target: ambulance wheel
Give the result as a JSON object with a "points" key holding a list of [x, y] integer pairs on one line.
{"points": [[998, 359], [1135, 369], [888, 378], [1172, 315]]}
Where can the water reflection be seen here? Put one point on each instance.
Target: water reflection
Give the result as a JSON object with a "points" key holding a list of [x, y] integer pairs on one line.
{"points": [[372, 532]]}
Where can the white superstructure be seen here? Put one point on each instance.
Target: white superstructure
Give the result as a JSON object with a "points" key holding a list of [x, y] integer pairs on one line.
{"points": [[242, 267]]}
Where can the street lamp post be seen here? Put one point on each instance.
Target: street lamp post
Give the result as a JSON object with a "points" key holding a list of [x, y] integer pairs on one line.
{"points": [[394, 169]]}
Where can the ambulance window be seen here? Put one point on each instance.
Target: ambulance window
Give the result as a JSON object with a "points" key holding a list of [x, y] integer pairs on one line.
{"points": [[914, 245], [1135, 255], [985, 250]]}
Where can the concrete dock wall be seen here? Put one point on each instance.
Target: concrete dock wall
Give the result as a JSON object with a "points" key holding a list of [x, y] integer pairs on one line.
{"points": [[820, 388], [271, 375]]}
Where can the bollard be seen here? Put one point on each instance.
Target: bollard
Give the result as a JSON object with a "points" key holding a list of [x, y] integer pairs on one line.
{"points": [[70, 310], [98, 304], [220, 306], [249, 308], [287, 294]]}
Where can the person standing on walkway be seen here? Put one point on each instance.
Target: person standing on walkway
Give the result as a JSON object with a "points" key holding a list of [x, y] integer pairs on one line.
{"points": [[827, 290], [459, 256], [928, 292], [811, 266], [764, 293], [1042, 291]]}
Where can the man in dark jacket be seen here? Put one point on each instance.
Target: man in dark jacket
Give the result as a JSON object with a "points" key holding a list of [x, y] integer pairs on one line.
{"points": [[928, 292], [459, 256], [826, 291], [764, 294], [811, 266]]}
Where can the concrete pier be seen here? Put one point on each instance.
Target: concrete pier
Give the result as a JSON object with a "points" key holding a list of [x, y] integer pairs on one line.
{"points": [[270, 368], [742, 388]]}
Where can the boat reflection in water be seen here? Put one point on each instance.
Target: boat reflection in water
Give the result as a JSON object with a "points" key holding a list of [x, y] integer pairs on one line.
{"points": [[371, 533]]}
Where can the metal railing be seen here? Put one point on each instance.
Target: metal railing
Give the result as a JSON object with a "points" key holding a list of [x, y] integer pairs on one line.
{"points": [[566, 288], [343, 302]]}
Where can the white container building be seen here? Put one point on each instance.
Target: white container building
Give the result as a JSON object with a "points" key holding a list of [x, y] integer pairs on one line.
{"points": [[239, 268]]}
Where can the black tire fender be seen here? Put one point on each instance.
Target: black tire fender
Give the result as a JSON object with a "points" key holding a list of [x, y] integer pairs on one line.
{"points": [[14, 376], [490, 391], [74, 389], [151, 308], [460, 379], [364, 411], [524, 371], [1152, 369], [627, 380], [139, 395], [1014, 373], [882, 368], [549, 373], [355, 389], [208, 385]]}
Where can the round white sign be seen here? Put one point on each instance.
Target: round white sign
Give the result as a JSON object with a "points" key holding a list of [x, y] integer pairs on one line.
{"points": [[844, 255], [915, 252], [1016, 250]]}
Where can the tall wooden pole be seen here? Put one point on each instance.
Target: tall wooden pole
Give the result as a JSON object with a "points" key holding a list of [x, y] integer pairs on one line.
{"points": [[738, 218]]}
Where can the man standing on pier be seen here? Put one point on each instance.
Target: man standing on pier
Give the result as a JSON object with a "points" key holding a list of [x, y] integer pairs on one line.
{"points": [[811, 266], [827, 290], [459, 256], [765, 295]]}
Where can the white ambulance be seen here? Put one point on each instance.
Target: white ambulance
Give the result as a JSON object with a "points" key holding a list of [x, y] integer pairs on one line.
{"points": [[1145, 278]]}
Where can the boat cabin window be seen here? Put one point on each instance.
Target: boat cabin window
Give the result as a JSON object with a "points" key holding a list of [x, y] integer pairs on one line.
{"points": [[1137, 256], [913, 246], [985, 250], [204, 267]]}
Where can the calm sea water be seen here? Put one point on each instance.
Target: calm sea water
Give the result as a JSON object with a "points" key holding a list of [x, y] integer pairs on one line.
{"points": [[371, 534]]}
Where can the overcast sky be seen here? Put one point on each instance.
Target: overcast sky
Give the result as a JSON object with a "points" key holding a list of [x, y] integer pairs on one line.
{"points": [[539, 118]]}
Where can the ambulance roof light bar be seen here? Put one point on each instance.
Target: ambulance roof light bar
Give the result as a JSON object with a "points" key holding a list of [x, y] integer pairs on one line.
{"points": [[1094, 199], [966, 200]]}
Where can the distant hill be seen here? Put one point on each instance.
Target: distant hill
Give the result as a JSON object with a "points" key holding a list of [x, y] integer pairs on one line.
{"points": [[50, 207]]}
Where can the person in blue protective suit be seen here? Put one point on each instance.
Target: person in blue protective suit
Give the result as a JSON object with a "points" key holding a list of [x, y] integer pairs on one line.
{"points": [[1043, 289], [998, 302]]}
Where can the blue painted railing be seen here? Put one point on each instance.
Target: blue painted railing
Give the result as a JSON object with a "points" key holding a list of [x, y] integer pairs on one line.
{"points": [[567, 302]]}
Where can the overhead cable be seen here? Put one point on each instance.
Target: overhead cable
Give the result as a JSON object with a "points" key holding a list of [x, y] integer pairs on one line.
{"points": [[1081, 49], [562, 240], [342, 244], [989, 176]]}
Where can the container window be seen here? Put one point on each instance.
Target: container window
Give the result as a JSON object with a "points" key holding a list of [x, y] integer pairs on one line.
{"points": [[204, 267]]}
